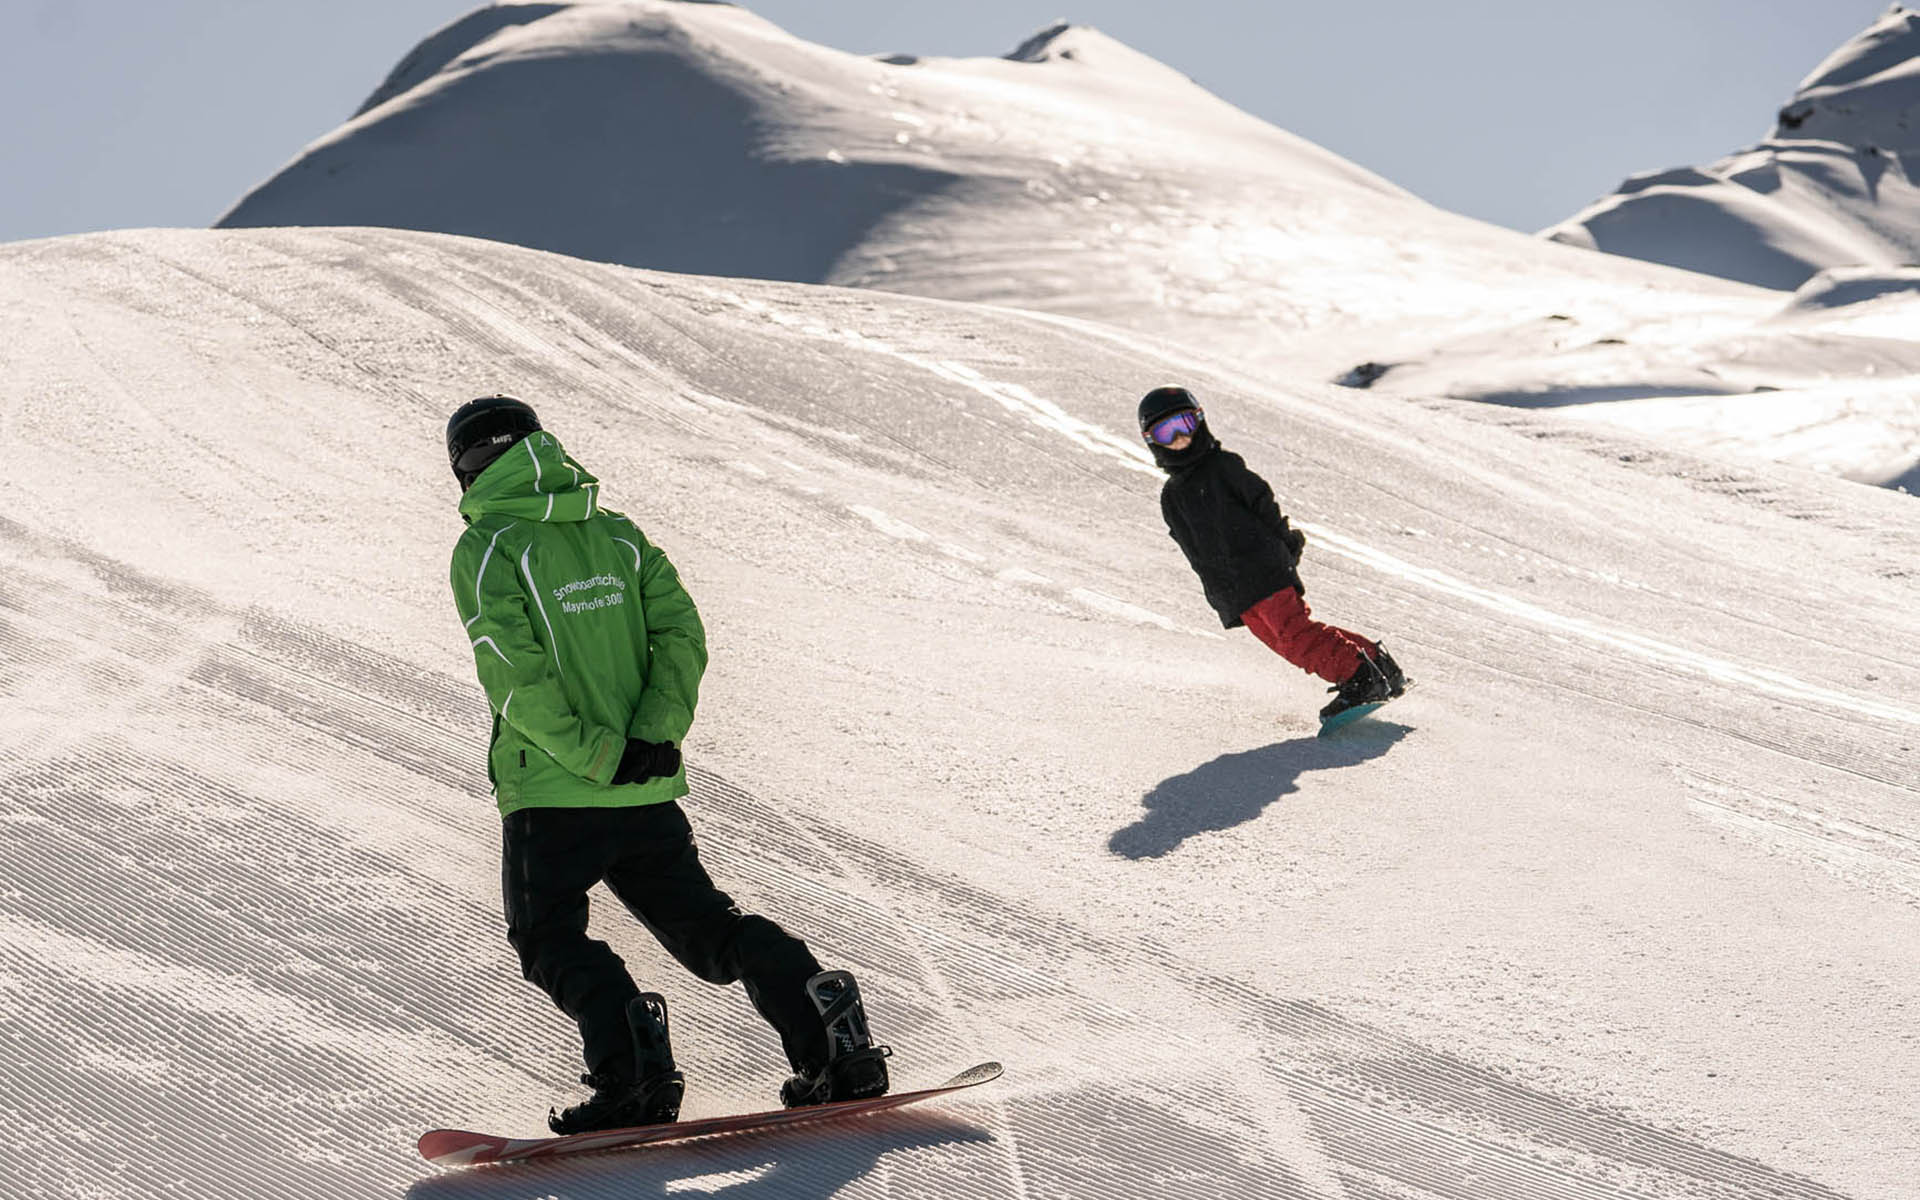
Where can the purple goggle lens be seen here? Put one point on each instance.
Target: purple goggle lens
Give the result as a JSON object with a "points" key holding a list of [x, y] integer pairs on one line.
{"points": [[1163, 431]]}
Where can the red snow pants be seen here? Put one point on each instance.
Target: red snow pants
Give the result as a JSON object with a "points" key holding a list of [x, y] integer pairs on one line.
{"points": [[1285, 624]]}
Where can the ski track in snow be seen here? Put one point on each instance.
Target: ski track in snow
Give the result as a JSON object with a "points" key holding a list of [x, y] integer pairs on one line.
{"points": [[1099, 602], [308, 956], [1757, 679], [180, 945], [1049, 417], [291, 966]]}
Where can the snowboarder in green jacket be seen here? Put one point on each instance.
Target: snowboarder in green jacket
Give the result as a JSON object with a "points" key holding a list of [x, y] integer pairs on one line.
{"points": [[591, 653]]}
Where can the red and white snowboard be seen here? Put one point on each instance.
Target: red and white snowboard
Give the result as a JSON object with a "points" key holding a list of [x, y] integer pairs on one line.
{"points": [[459, 1148]]}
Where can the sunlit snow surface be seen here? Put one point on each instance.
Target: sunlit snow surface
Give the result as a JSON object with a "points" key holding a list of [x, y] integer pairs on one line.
{"points": [[1623, 899], [1079, 177], [1836, 183]]}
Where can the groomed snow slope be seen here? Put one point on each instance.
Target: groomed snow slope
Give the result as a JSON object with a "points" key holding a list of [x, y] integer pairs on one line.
{"points": [[1835, 184], [1622, 900]]}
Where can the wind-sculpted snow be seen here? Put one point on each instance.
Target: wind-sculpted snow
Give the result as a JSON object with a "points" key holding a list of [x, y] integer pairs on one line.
{"points": [[1075, 175], [1831, 189], [1833, 185], [1620, 900], [1842, 287], [431, 56], [1824, 379], [1770, 215], [1079, 177], [1867, 92]]}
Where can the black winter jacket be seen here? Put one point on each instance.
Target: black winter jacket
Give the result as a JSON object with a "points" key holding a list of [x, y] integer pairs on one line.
{"points": [[1225, 520]]}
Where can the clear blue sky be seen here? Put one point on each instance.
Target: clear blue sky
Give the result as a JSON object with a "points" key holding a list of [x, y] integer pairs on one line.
{"points": [[164, 112]]}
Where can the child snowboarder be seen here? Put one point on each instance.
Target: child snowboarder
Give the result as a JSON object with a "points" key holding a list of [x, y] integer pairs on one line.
{"points": [[1246, 553], [591, 652]]}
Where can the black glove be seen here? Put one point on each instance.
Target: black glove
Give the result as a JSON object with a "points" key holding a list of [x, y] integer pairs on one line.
{"points": [[642, 761], [1296, 542]]}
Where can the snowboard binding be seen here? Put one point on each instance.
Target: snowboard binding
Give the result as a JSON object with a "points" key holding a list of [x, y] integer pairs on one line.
{"points": [[855, 1068]]}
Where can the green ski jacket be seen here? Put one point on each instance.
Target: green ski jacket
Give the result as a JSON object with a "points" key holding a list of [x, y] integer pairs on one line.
{"points": [[582, 634]]}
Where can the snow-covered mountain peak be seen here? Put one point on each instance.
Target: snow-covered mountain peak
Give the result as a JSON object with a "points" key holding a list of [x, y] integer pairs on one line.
{"points": [[1051, 42], [1089, 54], [1866, 93], [701, 138], [1837, 184], [450, 42], [1073, 176], [1086, 46]]}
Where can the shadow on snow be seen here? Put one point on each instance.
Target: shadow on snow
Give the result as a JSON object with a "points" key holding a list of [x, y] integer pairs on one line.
{"points": [[1235, 788]]}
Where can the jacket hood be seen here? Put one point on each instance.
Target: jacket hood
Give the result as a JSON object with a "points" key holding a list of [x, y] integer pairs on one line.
{"points": [[534, 481]]}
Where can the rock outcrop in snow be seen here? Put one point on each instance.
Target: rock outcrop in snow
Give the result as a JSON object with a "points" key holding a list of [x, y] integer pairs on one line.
{"points": [[1837, 183]]}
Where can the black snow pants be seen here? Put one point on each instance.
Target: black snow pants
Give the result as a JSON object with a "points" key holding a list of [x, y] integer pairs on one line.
{"points": [[646, 856]]}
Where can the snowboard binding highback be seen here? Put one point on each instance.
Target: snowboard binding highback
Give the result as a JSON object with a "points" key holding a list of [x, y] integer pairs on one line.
{"points": [[855, 1068], [659, 1086]]}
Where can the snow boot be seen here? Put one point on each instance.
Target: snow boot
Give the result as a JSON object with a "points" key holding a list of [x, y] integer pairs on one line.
{"points": [[855, 1068], [649, 1096], [607, 1108], [1396, 679], [1367, 685]]}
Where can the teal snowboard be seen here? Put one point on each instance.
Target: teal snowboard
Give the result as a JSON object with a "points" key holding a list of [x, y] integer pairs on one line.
{"points": [[1348, 716]]}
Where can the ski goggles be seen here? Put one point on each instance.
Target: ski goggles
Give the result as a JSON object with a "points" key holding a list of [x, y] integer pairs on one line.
{"points": [[1163, 431]]}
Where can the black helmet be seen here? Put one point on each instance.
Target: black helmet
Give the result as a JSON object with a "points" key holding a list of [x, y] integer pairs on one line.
{"points": [[1164, 402], [484, 429], [1161, 403]]}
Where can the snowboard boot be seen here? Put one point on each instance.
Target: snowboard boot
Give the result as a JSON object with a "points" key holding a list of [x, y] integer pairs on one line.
{"points": [[855, 1068], [1396, 679], [606, 1109], [1367, 685], [648, 1096]]}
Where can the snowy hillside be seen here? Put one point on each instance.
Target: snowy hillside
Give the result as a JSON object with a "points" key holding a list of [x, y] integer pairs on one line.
{"points": [[1835, 184], [1623, 899], [1074, 176], [1826, 378]]}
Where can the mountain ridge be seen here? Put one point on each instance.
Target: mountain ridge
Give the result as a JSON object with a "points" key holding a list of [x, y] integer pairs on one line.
{"points": [[958, 178], [1835, 184]]}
